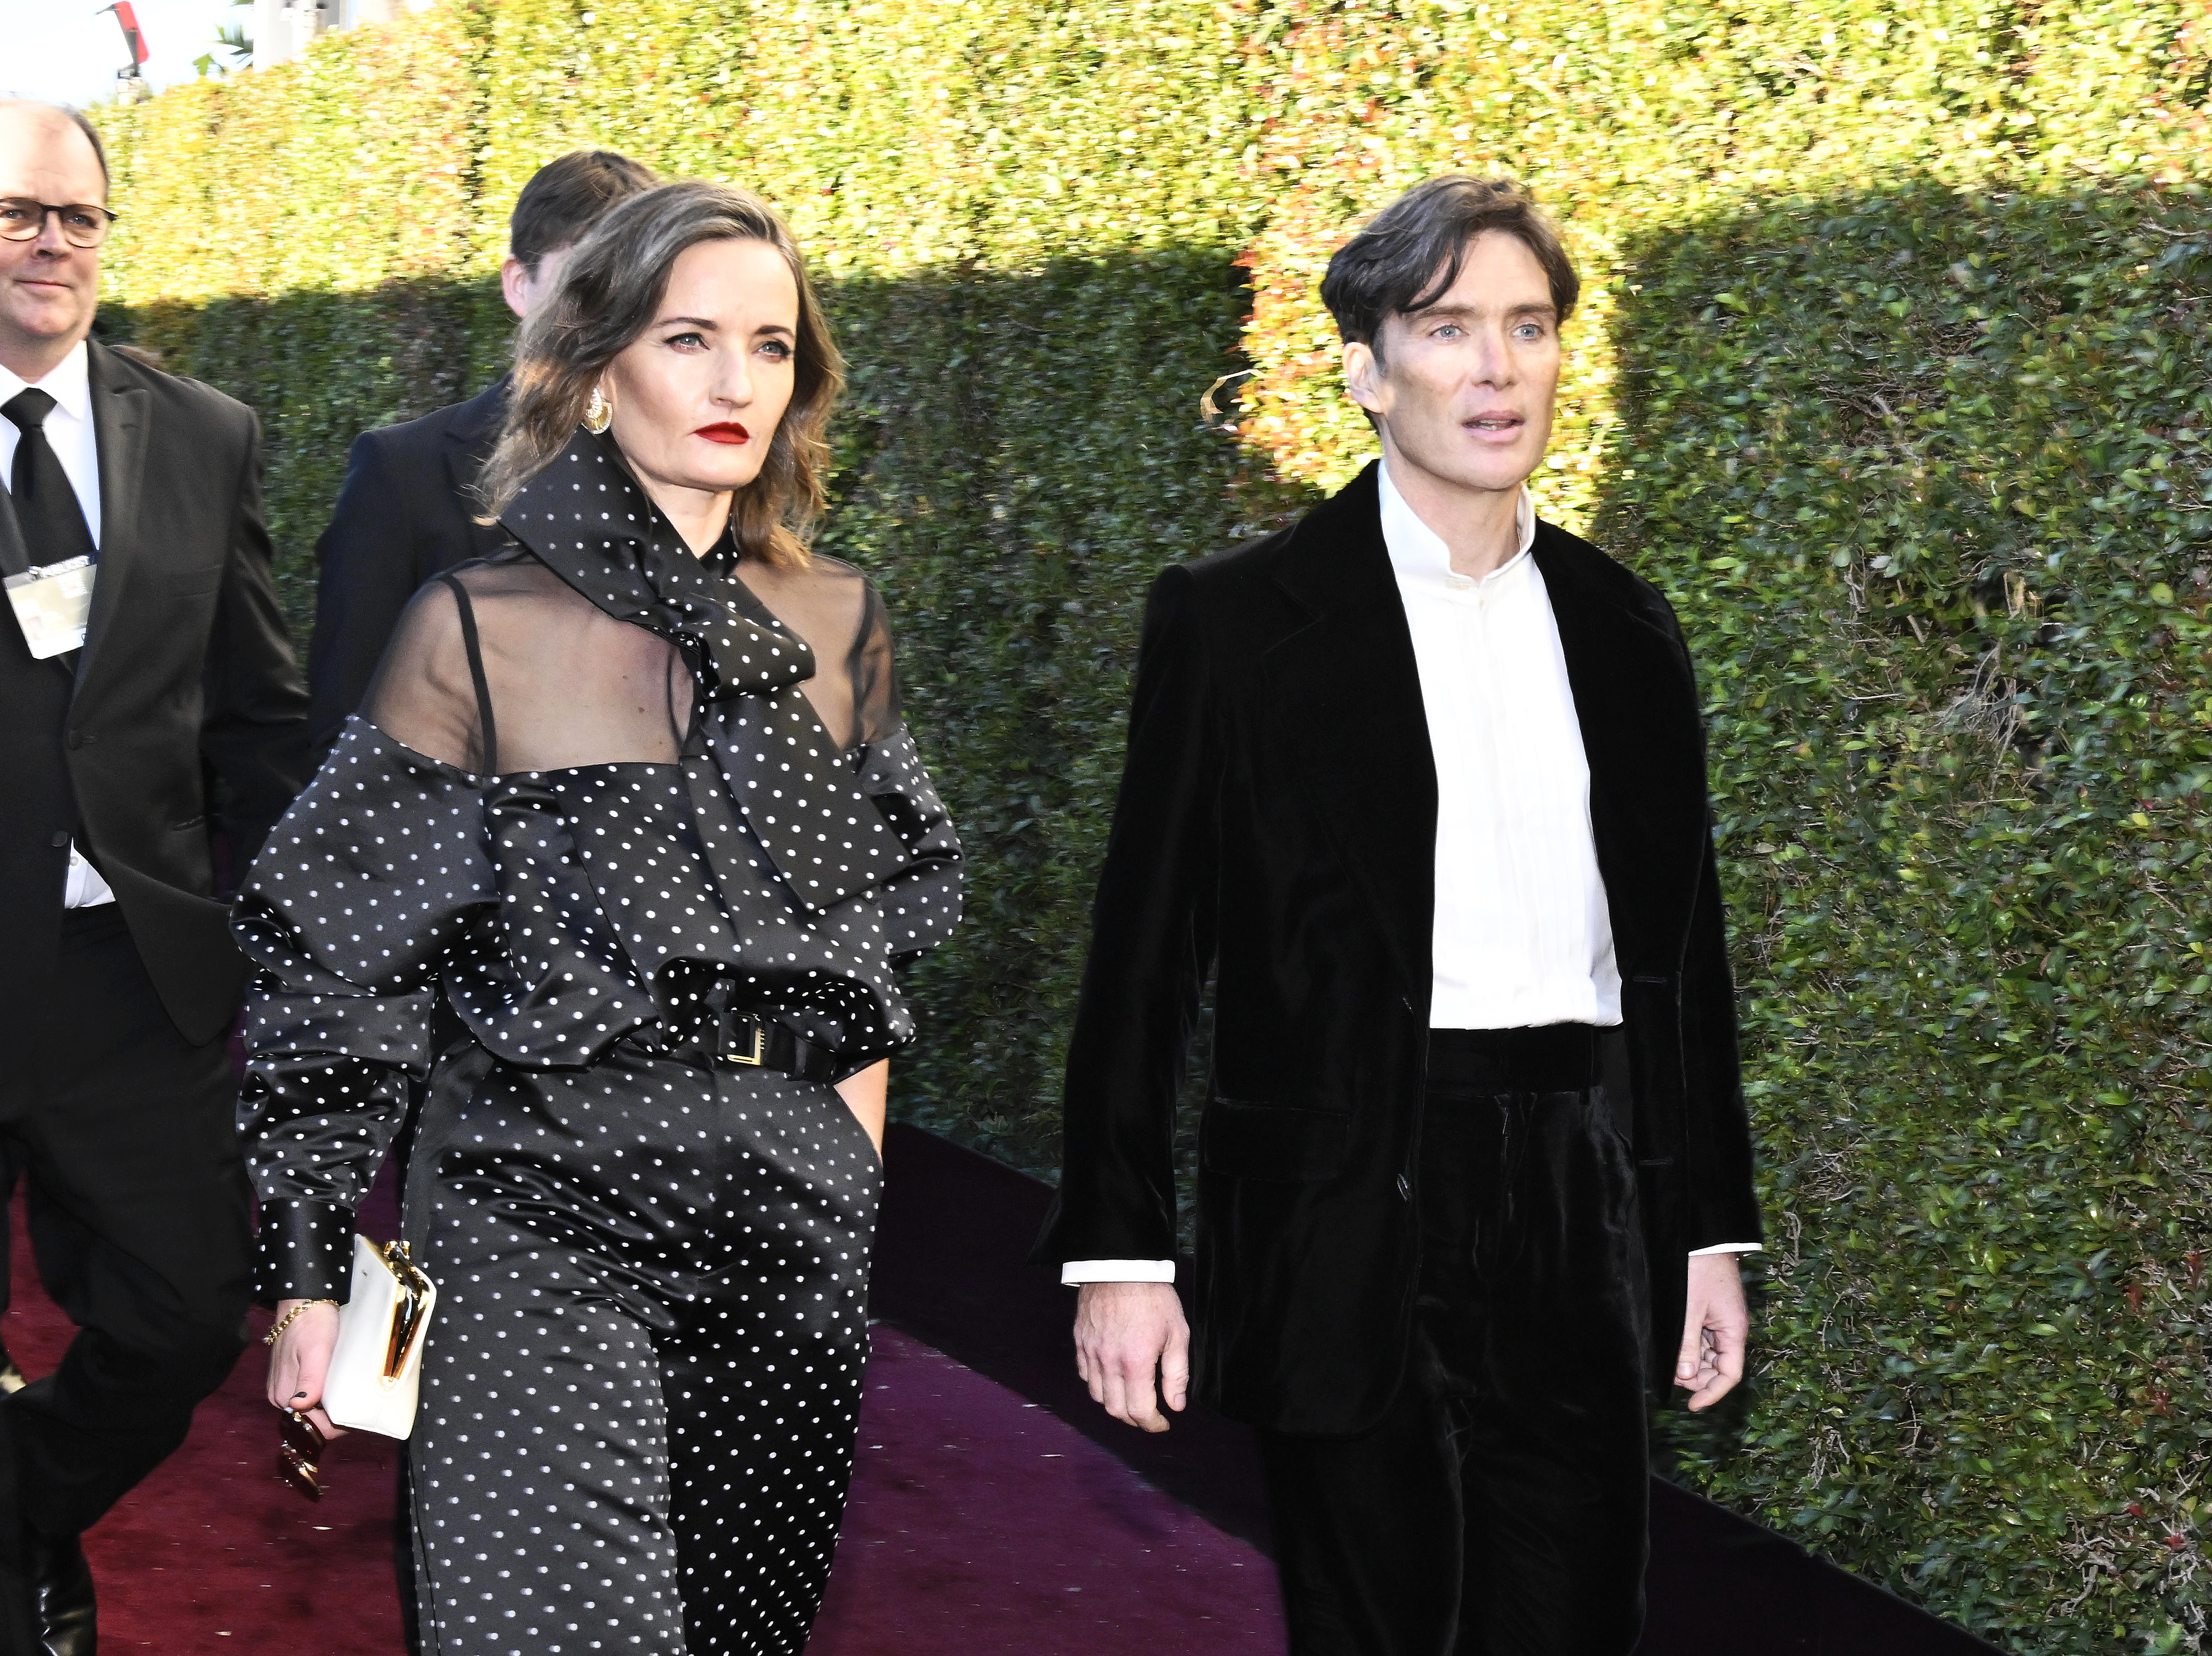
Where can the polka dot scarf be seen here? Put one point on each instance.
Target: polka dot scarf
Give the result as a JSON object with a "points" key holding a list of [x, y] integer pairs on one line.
{"points": [[586, 519]]}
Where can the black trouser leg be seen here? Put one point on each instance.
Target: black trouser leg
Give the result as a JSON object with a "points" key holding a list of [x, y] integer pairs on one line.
{"points": [[140, 1222], [1499, 1508]]}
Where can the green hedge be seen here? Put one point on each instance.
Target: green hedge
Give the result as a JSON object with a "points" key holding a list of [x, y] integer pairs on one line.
{"points": [[1891, 375]]}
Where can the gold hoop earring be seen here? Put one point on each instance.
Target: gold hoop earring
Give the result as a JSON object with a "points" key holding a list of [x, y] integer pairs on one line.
{"points": [[598, 412]]}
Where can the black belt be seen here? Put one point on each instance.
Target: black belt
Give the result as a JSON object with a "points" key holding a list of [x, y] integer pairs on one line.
{"points": [[741, 1041], [1553, 1058]]}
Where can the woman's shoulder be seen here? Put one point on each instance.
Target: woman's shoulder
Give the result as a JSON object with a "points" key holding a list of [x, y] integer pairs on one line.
{"points": [[820, 576], [836, 569], [823, 599]]}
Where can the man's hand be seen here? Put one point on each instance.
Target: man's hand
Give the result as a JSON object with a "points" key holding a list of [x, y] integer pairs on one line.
{"points": [[1715, 1331], [1124, 1333]]}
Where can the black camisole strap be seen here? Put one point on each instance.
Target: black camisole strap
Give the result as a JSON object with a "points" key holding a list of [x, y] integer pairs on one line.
{"points": [[487, 737]]}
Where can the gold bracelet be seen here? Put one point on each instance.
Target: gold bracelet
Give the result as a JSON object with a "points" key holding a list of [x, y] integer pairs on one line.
{"points": [[287, 1320]]}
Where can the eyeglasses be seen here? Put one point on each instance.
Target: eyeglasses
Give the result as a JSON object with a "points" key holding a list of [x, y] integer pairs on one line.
{"points": [[297, 1454], [83, 224]]}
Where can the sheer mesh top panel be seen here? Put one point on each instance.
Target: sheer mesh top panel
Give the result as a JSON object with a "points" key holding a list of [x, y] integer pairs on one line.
{"points": [[570, 686], [834, 608]]}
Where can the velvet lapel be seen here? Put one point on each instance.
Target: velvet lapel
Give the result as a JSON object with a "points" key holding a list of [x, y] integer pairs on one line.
{"points": [[120, 411], [1637, 704], [1346, 693]]}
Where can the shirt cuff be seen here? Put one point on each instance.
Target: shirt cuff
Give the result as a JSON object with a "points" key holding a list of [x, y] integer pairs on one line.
{"points": [[304, 1250], [1728, 1247], [1078, 1271]]}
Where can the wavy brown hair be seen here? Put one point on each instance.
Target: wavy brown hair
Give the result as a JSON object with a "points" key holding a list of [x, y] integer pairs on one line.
{"points": [[609, 293]]}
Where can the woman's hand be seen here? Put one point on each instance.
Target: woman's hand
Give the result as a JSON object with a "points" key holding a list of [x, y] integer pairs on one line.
{"points": [[865, 1095], [301, 1357]]}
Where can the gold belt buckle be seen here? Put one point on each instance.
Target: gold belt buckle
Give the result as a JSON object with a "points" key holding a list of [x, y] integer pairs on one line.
{"points": [[756, 1055]]}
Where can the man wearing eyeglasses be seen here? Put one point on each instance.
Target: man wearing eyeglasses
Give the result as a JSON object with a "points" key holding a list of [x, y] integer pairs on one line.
{"points": [[143, 651]]}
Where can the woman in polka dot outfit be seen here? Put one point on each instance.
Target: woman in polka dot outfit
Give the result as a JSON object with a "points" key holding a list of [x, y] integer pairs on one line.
{"points": [[633, 799]]}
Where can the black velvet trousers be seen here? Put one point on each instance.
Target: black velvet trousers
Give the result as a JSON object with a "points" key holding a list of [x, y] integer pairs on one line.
{"points": [[1499, 1509]]}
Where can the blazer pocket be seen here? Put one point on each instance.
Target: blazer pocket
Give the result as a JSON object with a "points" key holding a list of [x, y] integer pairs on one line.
{"points": [[191, 583], [1272, 1141]]}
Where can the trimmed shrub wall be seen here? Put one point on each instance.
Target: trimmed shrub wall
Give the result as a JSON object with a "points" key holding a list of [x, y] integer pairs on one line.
{"points": [[1892, 374]]}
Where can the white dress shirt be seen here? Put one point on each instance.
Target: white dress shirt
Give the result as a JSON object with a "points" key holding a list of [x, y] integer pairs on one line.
{"points": [[1521, 936], [70, 434], [69, 430]]}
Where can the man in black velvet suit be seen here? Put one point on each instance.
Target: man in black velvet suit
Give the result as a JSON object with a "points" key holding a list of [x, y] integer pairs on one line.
{"points": [[406, 510], [118, 979], [1420, 780]]}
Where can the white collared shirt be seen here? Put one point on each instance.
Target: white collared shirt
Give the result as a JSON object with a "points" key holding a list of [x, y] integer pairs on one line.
{"points": [[70, 434], [1521, 936], [69, 431]]}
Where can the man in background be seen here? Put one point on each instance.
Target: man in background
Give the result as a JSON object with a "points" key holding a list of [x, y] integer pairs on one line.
{"points": [[408, 510], [143, 650]]}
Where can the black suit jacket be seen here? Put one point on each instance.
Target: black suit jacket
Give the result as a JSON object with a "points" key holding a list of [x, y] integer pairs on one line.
{"points": [[186, 670], [1277, 826], [404, 513]]}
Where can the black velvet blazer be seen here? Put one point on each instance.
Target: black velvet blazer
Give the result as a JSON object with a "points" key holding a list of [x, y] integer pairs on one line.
{"points": [[1276, 827]]}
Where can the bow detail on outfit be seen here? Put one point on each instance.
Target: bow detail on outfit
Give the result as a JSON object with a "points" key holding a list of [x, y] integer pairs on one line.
{"points": [[586, 519]]}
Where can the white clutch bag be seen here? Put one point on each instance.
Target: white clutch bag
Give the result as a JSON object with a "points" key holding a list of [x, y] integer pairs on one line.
{"points": [[376, 1370]]}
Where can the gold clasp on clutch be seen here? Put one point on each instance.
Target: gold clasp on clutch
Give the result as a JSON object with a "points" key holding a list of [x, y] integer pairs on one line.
{"points": [[758, 1052], [409, 1306]]}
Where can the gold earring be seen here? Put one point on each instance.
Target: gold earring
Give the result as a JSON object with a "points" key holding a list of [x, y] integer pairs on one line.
{"points": [[598, 412]]}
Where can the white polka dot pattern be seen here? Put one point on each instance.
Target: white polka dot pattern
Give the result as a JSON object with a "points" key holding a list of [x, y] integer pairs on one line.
{"points": [[639, 1396], [587, 521]]}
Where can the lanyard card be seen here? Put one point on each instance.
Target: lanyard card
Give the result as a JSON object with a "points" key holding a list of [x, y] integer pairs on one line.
{"points": [[53, 605]]}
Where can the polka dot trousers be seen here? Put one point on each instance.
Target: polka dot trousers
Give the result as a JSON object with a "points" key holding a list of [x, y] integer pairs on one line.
{"points": [[644, 1375]]}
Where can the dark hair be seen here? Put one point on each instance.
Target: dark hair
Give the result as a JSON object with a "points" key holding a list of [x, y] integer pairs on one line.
{"points": [[565, 197], [608, 292], [1409, 255]]}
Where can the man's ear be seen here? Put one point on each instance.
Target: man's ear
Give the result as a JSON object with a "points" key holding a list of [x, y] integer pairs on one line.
{"points": [[1361, 374]]}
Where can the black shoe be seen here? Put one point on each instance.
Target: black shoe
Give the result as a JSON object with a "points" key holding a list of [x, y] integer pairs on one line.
{"points": [[63, 1583]]}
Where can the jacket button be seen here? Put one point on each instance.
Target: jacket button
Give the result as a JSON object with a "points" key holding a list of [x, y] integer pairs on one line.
{"points": [[79, 738], [61, 838], [1404, 1190]]}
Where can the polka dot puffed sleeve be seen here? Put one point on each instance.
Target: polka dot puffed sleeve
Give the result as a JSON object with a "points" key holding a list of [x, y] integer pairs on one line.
{"points": [[920, 906], [378, 872]]}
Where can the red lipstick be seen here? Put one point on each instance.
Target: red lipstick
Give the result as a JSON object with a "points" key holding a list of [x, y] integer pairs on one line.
{"points": [[726, 431]]}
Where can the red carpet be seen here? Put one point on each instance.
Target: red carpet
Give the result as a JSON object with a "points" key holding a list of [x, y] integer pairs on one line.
{"points": [[212, 1554], [978, 1524], [995, 1507]]}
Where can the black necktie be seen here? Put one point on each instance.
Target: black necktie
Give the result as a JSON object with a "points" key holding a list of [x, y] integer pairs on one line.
{"points": [[46, 508]]}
